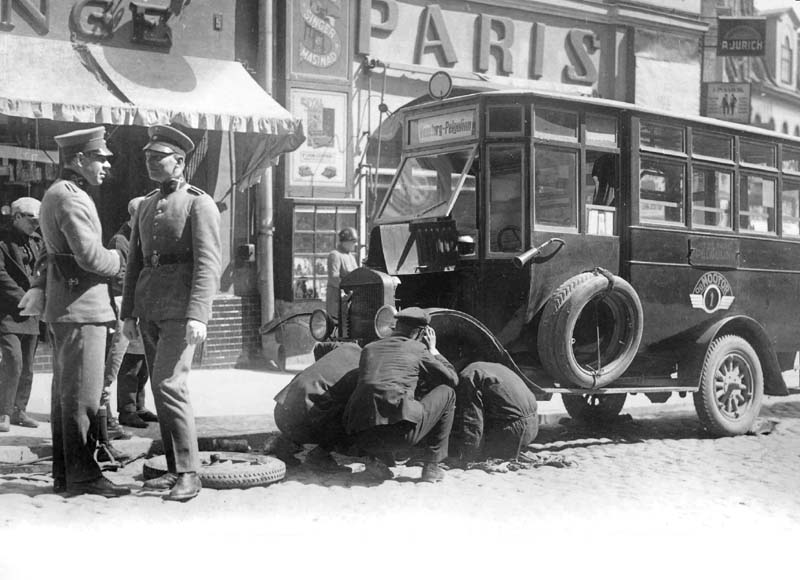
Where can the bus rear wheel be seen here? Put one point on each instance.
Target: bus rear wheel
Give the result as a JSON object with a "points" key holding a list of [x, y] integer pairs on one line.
{"points": [[594, 408], [590, 330], [731, 387]]}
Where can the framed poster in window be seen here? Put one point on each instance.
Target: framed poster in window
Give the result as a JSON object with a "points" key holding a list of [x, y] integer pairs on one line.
{"points": [[319, 165]]}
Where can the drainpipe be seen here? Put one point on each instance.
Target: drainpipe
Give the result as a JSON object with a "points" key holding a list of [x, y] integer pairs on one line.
{"points": [[264, 252]]}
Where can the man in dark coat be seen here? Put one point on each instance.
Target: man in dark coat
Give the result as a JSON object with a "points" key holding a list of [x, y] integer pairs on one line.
{"points": [[172, 276], [20, 248], [495, 413], [310, 408], [387, 413], [78, 309]]}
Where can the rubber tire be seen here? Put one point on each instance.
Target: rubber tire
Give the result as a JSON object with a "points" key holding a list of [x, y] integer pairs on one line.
{"points": [[558, 321], [705, 401], [262, 470], [594, 408]]}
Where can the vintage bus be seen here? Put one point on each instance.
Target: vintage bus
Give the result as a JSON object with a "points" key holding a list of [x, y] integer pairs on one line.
{"points": [[598, 248]]}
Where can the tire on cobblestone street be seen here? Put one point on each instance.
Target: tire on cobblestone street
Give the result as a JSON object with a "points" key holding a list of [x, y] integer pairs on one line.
{"points": [[230, 470], [731, 387], [585, 308], [594, 408]]}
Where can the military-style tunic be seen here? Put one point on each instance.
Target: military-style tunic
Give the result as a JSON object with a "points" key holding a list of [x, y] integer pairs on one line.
{"points": [[174, 261]]}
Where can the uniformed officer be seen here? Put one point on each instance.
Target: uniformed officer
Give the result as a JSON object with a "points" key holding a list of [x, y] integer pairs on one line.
{"points": [[388, 411], [78, 308], [172, 275]]}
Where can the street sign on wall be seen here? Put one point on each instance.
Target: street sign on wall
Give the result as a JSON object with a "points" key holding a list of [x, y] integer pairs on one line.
{"points": [[741, 36], [727, 101]]}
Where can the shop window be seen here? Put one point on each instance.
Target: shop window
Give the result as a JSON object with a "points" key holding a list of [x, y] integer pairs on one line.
{"points": [[558, 125], [790, 160], [707, 144], [506, 232], [711, 199], [555, 186], [757, 204], [663, 137], [755, 153], [315, 236], [790, 209], [661, 191]]}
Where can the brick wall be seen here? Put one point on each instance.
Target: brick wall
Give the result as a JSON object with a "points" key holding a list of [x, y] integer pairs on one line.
{"points": [[233, 338]]}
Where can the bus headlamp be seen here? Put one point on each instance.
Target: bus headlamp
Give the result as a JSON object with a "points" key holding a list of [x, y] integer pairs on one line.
{"points": [[320, 325], [385, 320]]}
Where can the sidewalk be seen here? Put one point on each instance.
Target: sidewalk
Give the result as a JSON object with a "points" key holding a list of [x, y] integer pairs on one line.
{"points": [[232, 404]]}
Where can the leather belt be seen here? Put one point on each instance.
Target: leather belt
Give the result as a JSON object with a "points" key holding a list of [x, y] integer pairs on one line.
{"points": [[155, 259]]}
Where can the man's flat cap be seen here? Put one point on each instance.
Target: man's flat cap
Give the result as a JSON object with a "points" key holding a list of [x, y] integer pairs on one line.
{"points": [[413, 316], [166, 139], [84, 141], [26, 205]]}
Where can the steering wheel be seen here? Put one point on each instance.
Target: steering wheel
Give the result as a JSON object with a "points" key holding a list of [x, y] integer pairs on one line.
{"points": [[509, 239]]}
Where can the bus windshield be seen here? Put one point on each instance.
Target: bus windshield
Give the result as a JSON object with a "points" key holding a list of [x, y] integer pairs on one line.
{"points": [[426, 184]]}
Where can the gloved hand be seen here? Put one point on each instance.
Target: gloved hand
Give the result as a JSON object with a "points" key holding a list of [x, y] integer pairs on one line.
{"points": [[32, 304], [195, 332]]}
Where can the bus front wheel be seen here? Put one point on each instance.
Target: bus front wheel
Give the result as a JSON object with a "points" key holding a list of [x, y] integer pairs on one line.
{"points": [[594, 408], [731, 387]]}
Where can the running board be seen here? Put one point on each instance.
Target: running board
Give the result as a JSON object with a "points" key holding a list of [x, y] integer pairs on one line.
{"points": [[623, 385]]}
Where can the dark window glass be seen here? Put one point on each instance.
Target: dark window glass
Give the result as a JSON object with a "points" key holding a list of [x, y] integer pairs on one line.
{"points": [[791, 160], [660, 136], [505, 199], [550, 124], [661, 191], [712, 145], [757, 153], [601, 130], [790, 209], [711, 199], [757, 204], [505, 120], [556, 192]]}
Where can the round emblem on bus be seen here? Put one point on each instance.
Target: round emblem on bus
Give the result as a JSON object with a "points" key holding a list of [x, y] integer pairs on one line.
{"points": [[711, 293]]}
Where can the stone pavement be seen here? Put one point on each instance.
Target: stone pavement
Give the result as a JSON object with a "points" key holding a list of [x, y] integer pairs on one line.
{"points": [[649, 496]]}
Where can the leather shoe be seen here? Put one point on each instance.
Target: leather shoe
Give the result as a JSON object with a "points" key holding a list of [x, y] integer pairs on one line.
{"points": [[98, 486], [5, 423], [321, 460], [147, 415], [162, 482], [19, 417], [431, 473], [187, 487], [132, 420], [377, 470]]}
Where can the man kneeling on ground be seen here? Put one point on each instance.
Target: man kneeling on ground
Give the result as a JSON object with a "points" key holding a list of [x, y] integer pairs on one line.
{"points": [[495, 413], [309, 409], [387, 413]]}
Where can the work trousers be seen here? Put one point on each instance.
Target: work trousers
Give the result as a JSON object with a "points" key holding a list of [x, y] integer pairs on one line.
{"points": [[78, 351], [432, 431], [131, 380], [169, 359], [16, 370]]}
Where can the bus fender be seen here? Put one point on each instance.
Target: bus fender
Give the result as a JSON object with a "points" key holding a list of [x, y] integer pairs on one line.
{"points": [[463, 339], [754, 333]]}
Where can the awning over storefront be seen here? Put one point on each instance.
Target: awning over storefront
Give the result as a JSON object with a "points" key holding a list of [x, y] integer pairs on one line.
{"points": [[50, 79], [45, 79], [200, 93]]}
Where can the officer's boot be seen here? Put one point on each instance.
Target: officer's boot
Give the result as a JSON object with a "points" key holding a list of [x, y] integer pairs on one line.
{"points": [[107, 453]]}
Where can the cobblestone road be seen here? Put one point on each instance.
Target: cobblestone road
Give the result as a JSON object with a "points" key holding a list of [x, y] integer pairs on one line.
{"points": [[655, 476]]}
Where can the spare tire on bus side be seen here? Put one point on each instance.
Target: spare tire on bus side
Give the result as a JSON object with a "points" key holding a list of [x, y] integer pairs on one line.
{"points": [[590, 330]]}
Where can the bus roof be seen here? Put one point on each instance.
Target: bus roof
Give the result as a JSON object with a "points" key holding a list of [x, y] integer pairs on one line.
{"points": [[596, 101]]}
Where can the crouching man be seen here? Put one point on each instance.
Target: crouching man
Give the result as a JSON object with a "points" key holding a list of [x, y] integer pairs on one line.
{"points": [[387, 413], [495, 413], [309, 409]]}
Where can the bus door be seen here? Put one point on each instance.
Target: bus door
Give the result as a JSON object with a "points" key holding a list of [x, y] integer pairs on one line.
{"points": [[575, 197]]}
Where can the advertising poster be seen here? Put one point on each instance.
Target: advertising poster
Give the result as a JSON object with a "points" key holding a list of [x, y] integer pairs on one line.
{"points": [[727, 101], [322, 160], [320, 37]]}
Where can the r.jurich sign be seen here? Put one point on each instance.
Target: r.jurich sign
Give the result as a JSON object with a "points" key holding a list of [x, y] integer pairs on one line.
{"points": [[533, 46], [741, 36]]}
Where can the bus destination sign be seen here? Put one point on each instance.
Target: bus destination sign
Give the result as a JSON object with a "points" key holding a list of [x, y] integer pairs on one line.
{"points": [[449, 127]]}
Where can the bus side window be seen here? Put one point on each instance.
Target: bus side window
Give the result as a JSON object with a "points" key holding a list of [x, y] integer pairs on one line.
{"points": [[466, 217], [555, 187], [505, 199], [757, 204], [661, 191], [604, 178]]}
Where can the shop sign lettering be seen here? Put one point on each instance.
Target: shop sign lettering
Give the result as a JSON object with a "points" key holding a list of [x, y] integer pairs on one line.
{"points": [[518, 47], [320, 46], [35, 13]]}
